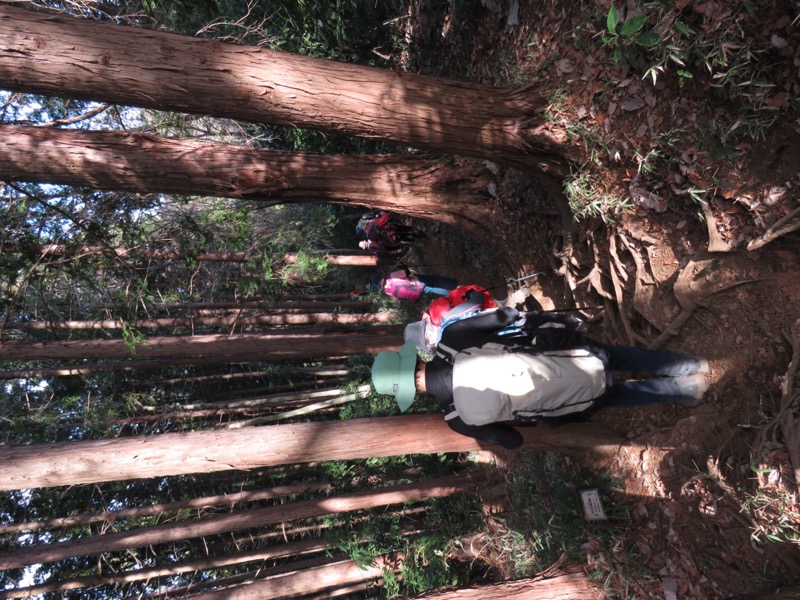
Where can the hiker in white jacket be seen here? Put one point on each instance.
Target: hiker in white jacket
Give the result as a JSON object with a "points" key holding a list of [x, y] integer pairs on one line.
{"points": [[486, 382]]}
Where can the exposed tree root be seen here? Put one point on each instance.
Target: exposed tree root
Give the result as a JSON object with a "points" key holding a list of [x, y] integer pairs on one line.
{"points": [[689, 299], [788, 417], [643, 276], [688, 305], [595, 276], [633, 337], [716, 243], [788, 224], [613, 325]]}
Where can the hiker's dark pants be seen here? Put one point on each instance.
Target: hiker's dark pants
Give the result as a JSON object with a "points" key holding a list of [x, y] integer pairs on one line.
{"points": [[667, 365]]}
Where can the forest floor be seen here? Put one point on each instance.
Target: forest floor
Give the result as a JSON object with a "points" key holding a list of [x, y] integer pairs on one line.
{"points": [[712, 489]]}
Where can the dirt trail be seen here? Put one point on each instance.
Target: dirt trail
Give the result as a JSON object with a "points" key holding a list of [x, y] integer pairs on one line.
{"points": [[711, 486]]}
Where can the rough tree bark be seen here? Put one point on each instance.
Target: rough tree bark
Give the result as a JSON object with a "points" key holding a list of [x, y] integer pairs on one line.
{"points": [[72, 463], [66, 56], [109, 160]]}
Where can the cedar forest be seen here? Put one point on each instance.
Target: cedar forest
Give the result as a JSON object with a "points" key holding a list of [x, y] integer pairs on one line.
{"points": [[187, 330]]}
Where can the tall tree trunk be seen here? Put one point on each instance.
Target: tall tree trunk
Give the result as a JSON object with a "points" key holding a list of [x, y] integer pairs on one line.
{"points": [[72, 463], [110, 160], [298, 398], [324, 297], [292, 549], [572, 584], [209, 307], [250, 346], [354, 259], [227, 501], [305, 580], [316, 372], [224, 523], [217, 414], [273, 391], [306, 409], [229, 321], [130, 365], [65, 56]]}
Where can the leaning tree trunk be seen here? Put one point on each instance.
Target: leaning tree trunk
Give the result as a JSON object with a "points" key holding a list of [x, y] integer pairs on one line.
{"points": [[315, 372], [66, 56], [109, 160], [571, 584], [243, 346], [93, 461], [186, 566], [353, 259], [229, 321], [209, 307], [227, 501], [301, 582], [122, 366], [245, 519]]}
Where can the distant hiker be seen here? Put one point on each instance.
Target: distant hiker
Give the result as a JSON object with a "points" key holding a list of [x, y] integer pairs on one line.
{"points": [[404, 285], [487, 384], [381, 228]]}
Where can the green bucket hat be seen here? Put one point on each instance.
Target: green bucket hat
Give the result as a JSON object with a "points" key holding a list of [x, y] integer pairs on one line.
{"points": [[393, 373]]}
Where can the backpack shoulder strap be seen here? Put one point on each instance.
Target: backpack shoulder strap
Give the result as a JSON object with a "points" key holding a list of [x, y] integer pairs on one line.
{"points": [[446, 353], [451, 413]]}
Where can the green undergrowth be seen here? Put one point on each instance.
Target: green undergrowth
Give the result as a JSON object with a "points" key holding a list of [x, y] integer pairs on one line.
{"points": [[456, 541]]}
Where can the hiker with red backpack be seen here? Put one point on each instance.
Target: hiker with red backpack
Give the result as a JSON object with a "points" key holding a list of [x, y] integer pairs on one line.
{"points": [[487, 384], [382, 234]]}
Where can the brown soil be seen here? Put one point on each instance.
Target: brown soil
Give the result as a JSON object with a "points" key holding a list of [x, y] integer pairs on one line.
{"points": [[711, 484]]}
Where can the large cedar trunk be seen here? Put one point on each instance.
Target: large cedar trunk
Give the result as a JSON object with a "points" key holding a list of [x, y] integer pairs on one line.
{"points": [[72, 463], [66, 56], [243, 346], [108, 160]]}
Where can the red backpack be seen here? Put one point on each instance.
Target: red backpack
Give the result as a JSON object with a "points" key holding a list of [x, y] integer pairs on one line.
{"points": [[442, 306]]}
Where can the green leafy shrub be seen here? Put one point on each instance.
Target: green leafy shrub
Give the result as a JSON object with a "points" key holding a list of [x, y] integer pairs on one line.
{"points": [[628, 38]]}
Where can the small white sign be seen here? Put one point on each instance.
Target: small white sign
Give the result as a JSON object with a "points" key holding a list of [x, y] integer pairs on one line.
{"points": [[592, 505]]}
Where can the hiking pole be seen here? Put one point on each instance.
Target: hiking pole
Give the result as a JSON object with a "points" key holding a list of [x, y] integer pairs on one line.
{"points": [[563, 310], [512, 281]]}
